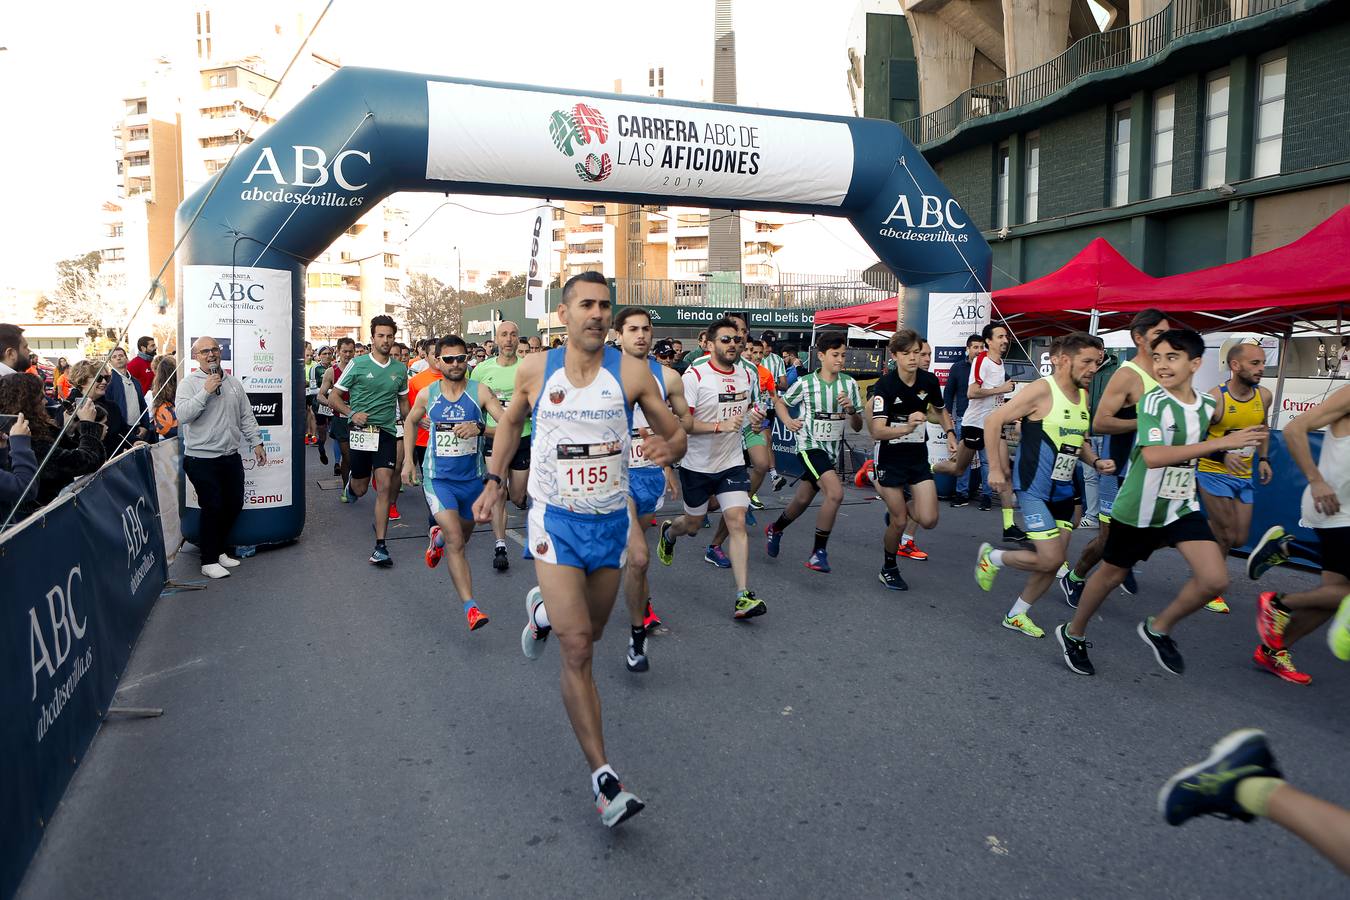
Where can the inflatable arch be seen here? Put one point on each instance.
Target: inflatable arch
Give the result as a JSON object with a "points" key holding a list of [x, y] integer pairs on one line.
{"points": [[365, 134]]}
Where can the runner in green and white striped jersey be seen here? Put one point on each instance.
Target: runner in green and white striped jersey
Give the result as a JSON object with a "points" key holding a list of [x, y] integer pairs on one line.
{"points": [[1152, 498], [822, 410]]}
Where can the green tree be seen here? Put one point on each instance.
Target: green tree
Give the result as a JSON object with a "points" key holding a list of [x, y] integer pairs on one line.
{"points": [[76, 297], [430, 307]]}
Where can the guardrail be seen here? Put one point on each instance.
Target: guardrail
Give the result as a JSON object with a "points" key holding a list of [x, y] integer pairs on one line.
{"points": [[1094, 53]]}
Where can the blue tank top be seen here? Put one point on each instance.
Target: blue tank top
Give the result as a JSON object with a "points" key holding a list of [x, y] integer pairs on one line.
{"points": [[449, 457], [579, 451]]}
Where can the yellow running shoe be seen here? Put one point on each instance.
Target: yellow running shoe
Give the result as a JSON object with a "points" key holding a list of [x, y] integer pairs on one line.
{"points": [[1217, 605], [985, 570], [1339, 635], [1023, 624]]}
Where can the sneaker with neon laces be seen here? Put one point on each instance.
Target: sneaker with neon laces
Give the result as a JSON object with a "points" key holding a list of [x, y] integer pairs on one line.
{"points": [[615, 804], [1272, 550], [1209, 788], [1075, 651], [1280, 664], [773, 539], [908, 550], [819, 562], [1271, 620], [477, 618], [1338, 635], [755, 502], [533, 637], [665, 547], [435, 546], [1163, 647], [650, 619], [637, 653], [1129, 585], [1218, 605], [716, 556], [891, 578], [1073, 590], [748, 606], [985, 570], [393, 512], [1023, 624]]}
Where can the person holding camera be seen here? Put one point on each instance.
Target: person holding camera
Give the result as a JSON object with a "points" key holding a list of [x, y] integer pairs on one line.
{"points": [[215, 417], [21, 396]]}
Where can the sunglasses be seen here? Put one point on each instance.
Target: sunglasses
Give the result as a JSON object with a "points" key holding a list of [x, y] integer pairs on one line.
{"points": [[457, 358], [101, 379], [724, 339]]}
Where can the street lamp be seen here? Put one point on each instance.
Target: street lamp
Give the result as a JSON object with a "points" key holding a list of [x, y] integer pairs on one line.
{"points": [[459, 270]]}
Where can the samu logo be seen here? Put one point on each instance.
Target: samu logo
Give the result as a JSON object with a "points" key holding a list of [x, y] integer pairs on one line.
{"points": [[578, 127]]}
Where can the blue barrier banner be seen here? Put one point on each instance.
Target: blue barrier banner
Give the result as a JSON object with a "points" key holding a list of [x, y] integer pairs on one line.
{"points": [[79, 582], [785, 457]]}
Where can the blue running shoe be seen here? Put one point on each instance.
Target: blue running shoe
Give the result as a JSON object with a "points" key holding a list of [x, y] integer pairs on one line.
{"points": [[716, 556], [1209, 788], [750, 518], [707, 522], [819, 562], [774, 538]]}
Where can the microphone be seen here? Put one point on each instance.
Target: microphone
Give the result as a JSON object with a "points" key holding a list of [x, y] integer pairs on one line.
{"points": [[215, 370]]}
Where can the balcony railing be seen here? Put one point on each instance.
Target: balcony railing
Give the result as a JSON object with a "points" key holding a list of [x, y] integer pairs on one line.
{"points": [[789, 291], [1094, 53]]}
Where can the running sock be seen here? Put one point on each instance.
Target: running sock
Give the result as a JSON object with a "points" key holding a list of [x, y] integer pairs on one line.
{"points": [[1007, 519], [595, 778], [908, 536], [1018, 608], [379, 542], [822, 538], [541, 617], [1253, 794], [890, 560], [1073, 576], [1148, 623], [996, 558], [639, 635], [782, 523], [468, 605], [501, 544]]}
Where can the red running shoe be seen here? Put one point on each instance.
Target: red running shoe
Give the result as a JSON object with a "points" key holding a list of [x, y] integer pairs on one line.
{"points": [[393, 512], [864, 476], [651, 619], [909, 551], [435, 547], [1270, 620], [1280, 665], [477, 619]]}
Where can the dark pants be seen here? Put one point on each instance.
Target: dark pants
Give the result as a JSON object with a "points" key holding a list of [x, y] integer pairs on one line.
{"points": [[219, 482]]}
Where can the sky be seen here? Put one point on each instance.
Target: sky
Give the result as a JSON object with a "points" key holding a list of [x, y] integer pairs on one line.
{"points": [[68, 66]]}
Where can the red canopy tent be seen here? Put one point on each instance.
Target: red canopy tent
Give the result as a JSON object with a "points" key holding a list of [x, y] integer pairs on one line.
{"points": [[1066, 296], [865, 315]]}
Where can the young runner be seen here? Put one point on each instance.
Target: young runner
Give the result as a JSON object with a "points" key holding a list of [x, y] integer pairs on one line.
{"points": [[499, 374], [828, 398], [1224, 480], [373, 394], [451, 469], [338, 425], [1055, 425], [582, 396], [647, 484], [1157, 506], [1282, 619], [721, 394], [899, 425]]}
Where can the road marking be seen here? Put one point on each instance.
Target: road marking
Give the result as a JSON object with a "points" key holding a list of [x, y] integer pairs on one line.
{"points": [[163, 673]]}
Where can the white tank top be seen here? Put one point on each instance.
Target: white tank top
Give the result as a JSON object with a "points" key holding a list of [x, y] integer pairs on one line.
{"points": [[1334, 465], [636, 458], [579, 452]]}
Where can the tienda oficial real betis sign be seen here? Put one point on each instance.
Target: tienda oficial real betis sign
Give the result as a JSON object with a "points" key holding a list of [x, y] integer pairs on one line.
{"points": [[482, 133]]}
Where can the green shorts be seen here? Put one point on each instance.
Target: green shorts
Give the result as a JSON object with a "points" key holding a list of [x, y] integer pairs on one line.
{"points": [[754, 439]]}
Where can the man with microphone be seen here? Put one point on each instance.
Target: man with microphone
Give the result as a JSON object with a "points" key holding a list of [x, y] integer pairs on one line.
{"points": [[215, 418]]}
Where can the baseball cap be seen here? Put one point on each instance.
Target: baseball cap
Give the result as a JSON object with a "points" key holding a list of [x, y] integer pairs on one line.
{"points": [[664, 347]]}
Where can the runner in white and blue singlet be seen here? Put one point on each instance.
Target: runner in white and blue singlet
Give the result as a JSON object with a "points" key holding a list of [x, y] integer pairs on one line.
{"points": [[582, 396]]}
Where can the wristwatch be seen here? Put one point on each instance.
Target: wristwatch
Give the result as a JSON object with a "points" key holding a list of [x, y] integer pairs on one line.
{"points": [[497, 479]]}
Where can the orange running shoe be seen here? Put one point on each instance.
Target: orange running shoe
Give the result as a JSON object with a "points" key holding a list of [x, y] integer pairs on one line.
{"points": [[393, 512], [477, 618], [1271, 620], [864, 476], [909, 551], [1280, 664], [651, 619], [435, 547]]}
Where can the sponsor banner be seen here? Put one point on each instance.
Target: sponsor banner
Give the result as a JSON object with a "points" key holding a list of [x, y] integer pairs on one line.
{"points": [[495, 135], [538, 273], [787, 460], [951, 319], [800, 319], [74, 608], [249, 310], [303, 175], [1300, 395]]}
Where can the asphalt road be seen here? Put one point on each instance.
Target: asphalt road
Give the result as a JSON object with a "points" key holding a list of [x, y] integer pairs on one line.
{"points": [[334, 730]]}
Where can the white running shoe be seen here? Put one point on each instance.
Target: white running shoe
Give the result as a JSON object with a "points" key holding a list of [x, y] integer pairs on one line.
{"points": [[532, 638], [215, 570]]}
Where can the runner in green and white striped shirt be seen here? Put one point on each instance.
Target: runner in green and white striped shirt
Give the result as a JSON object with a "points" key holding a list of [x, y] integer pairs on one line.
{"points": [[828, 399], [1156, 506]]}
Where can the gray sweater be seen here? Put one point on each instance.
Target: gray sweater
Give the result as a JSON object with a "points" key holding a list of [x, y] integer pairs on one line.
{"points": [[214, 425]]}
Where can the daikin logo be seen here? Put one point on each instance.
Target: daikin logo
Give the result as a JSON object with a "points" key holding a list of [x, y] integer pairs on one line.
{"points": [[579, 127]]}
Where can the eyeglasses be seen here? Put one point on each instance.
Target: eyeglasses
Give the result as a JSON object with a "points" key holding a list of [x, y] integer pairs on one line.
{"points": [[101, 379], [724, 339], [209, 350], [457, 358]]}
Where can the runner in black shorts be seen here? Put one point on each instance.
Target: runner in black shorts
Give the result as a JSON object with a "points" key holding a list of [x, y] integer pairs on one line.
{"points": [[899, 424], [520, 460]]}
